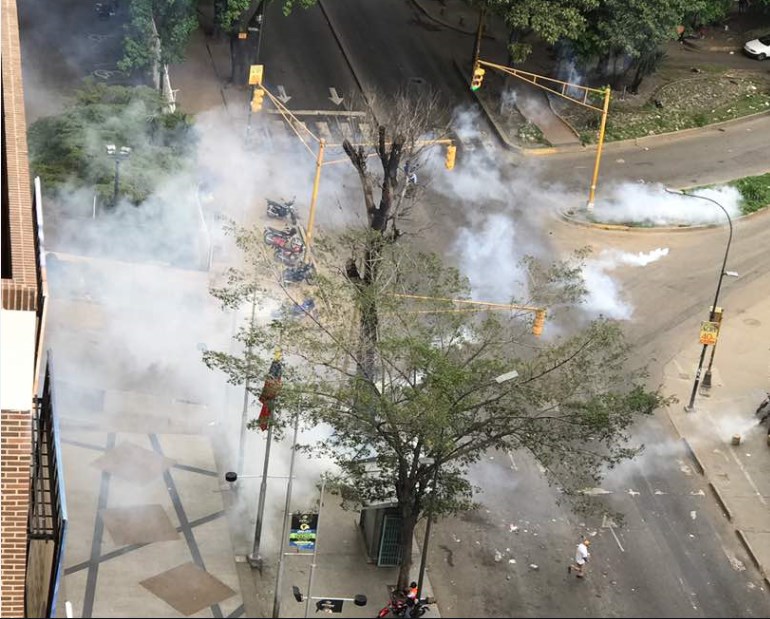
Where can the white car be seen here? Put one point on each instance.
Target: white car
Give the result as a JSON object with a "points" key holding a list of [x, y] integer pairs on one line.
{"points": [[758, 48]]}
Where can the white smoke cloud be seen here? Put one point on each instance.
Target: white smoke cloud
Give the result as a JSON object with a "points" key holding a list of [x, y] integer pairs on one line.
{"points": [[651, 205], [604, 295]]}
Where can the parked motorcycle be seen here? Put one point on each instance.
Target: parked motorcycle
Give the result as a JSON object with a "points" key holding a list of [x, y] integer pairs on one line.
{"points": [[283, 239], [298, 274], [398, 607], [291, 256], [282, 210]]}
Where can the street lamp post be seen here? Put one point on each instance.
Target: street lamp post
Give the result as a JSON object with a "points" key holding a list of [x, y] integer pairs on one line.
{"points": [[713, 312], [118, 154]]}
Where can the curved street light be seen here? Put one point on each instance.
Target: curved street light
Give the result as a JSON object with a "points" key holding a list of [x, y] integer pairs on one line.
{"points": [[713, 312]]}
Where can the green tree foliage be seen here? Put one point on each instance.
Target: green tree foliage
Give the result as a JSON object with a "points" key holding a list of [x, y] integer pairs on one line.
{"points": [[69, 148], [175, 21], [549, 20], [433, 402], [632, 29]]}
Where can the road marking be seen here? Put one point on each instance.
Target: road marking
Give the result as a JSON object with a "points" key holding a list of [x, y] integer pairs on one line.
{"points": [[334, 98], [318, 112], [513, 463], [282, 96], [608, 523]]}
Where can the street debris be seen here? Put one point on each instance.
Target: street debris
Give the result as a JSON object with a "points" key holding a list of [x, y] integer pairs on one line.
{"points": [[633, 492], [595, 491], [513, 528], [534, 567], [737, 564], [697, 493], [512, 561], [693, 514], [498, 556]]}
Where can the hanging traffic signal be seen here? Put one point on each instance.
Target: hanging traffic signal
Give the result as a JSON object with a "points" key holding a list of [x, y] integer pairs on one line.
{"points": [[257, 98], [451, 153], [537, 326], [478, 77]]}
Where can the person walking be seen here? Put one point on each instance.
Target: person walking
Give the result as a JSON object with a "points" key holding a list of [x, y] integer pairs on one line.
{"points": [[581, 558]]}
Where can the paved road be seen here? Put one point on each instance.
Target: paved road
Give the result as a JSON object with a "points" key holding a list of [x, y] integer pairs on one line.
{"points": [[301, 54]]}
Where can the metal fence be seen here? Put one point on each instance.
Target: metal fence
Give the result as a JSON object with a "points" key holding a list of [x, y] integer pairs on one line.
{"points": [[48, 508]]}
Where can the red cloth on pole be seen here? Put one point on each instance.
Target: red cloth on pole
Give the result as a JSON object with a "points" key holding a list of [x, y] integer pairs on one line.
{"points": [[270, 391]]}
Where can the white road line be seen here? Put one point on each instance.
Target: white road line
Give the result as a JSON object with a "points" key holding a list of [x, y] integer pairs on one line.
{"points": [[612, 529], [513, 464]]}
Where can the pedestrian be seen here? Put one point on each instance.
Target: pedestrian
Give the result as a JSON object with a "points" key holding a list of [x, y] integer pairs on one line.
{"points": [[581, 558]]}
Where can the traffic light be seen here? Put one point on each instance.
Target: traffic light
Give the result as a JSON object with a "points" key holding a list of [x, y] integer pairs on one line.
{"points": [[257, 98], [451, 153], [478, 77], [537, 326]]}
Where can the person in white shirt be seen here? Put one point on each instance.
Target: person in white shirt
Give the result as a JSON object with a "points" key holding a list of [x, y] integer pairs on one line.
{"points": [[581, 558]]}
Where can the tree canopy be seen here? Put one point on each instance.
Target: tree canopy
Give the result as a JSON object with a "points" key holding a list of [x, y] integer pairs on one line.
{"points": [[174, 21], [70, 147]]}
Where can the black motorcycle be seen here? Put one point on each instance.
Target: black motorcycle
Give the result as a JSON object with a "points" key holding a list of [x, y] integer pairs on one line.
{"points": [[290, 256], [298, 274], [282, 210]]}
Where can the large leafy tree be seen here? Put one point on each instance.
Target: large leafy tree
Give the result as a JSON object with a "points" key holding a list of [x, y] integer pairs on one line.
{"points": [[631, 29], [549, 20], [157, 32], [68, 149], [411, 398]]}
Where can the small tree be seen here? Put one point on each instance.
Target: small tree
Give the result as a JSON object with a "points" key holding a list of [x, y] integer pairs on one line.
{"points": [[415, 393]]}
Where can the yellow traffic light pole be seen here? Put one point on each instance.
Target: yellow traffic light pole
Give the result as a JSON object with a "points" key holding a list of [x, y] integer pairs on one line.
{"points": [[561, 89]]}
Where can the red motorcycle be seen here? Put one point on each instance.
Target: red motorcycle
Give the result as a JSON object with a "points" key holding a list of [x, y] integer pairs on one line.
{"points": [[399, 607], [283, 239]]}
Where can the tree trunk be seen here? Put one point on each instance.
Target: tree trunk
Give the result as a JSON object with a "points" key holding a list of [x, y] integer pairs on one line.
{"points": [[408, 522]]}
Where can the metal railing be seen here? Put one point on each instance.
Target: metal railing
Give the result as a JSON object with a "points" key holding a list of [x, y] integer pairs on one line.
{"points": [[47, 508]]}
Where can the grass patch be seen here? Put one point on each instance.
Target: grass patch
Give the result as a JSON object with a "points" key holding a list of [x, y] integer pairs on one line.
{"points": [[686, 104], [755, 192]]}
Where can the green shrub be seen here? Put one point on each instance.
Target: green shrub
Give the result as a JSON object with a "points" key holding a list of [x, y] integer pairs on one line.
{"points": [[755, 191]]}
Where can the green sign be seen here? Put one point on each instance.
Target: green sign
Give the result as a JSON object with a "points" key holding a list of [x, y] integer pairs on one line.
{"points": [[303, 531]]}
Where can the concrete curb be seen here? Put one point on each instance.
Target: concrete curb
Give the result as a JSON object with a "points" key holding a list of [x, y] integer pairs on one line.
{"points": [[646, 229], [720, 499], [742, 536], [624, 228], [693, 456]]}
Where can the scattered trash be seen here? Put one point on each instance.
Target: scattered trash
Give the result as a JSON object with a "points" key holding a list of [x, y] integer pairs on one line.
{"points": [[593, 533], [507, 550], [478, 543], [613, 582], [737, 564], [691, 535], [498, 556], [693, 515], [594, 491], [620, 160], [535, 534], [659, 492], [751, 585], [633, 492], [697, 493], [512, 561], [457, 539], [532, 566], [513, 528]]}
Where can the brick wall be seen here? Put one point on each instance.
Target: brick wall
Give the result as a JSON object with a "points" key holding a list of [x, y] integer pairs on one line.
{"points": [[15, 452]]}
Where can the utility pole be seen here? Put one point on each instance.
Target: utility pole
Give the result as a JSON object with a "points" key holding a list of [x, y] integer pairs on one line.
{"points": [[479, 34], [286, 518]]}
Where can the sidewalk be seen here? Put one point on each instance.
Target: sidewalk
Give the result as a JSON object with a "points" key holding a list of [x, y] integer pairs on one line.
{"points": [[737, 474]]}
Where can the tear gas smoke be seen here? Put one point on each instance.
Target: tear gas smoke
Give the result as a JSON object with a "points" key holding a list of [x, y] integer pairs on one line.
{"points": [[644, 204]]}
